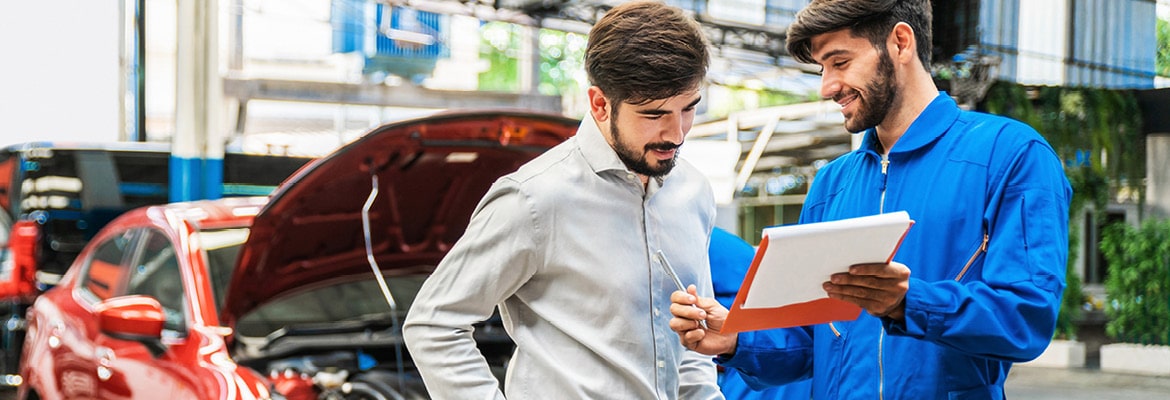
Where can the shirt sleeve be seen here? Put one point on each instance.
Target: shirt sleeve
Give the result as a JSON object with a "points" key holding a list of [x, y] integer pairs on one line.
{"points": [[493, 258], [1006, 309], [697, 378], [772, 357]]}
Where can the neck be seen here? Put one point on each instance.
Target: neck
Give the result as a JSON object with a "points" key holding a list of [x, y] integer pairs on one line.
{"points": [[912, 98]]}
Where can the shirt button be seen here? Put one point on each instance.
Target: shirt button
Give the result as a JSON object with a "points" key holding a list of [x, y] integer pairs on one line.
{"points": [[661, 364], [655, 312], [630, 176]]}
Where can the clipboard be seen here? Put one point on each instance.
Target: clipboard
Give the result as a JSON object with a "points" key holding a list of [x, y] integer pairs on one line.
{"points": [[782, 287]]}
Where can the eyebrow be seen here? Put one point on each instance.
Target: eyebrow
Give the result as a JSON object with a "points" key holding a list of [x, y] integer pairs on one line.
{"points": [[658, 111]]}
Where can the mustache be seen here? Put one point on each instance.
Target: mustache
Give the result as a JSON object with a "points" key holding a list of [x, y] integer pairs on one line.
{"points": [[662, 146], [845, 93]]}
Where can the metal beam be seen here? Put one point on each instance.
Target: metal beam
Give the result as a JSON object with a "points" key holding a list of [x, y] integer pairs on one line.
{"points": [[383, 95], [765, 40]]}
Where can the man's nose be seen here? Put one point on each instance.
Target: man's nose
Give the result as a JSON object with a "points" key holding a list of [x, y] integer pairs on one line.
{"points": [[830, 86], [675, 132]]}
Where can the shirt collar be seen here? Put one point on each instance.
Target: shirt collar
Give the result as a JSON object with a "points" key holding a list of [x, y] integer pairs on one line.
{"points": [[931, 124], [598, 153]]}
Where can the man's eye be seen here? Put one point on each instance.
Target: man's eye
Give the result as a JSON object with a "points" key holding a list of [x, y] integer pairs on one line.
{"points": [[840, 64], [654, 116]]}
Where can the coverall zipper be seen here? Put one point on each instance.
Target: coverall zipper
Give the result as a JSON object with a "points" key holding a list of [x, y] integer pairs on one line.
{"points": [[882, 334]]}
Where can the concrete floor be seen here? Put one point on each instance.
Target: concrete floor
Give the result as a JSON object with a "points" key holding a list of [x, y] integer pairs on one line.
{"points": [[1038, 383]]}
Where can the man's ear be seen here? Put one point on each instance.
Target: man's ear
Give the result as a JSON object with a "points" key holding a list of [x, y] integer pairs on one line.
{"points": [[902, 45], [598, 104]]}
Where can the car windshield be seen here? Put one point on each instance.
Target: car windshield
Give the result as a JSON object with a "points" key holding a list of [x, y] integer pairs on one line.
{"points": [[222, 247]]}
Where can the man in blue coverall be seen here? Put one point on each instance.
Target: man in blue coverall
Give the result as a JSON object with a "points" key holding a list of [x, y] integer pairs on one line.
{"points": [[730, 258], [976, 284]]}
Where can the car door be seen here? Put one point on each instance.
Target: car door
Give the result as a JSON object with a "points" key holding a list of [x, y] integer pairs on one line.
{"points": [[77, 358], [155, 272]]}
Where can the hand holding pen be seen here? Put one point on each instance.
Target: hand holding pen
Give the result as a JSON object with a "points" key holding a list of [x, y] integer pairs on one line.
{"points": [[674, 276]]}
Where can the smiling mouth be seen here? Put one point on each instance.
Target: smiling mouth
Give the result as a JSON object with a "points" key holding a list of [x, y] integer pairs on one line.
{"points": [[664, 154], [846, 100]]}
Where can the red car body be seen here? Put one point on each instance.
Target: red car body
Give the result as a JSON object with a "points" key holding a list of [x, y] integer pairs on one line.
{"points": [[168, 301]]}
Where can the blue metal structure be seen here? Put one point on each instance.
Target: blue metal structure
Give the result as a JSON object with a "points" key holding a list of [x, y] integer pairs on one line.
{"points": [[393, 40], [1076, 43], [1091, 43]]}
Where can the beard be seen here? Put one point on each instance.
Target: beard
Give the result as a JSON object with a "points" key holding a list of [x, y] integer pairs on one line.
{"points": [[638, 161], [879, 98]]}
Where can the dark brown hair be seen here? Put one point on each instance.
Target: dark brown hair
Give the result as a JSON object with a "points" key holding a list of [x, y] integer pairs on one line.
{"points": [[643, 51], [869, 19]]}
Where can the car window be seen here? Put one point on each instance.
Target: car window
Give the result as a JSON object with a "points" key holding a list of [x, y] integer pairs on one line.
{"points": [[51, 193], [256, 175], [156, 274], [141, 178], [106, 270]]}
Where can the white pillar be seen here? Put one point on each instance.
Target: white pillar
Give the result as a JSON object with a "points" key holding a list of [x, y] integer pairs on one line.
{"points": [[1158, 174], [197, 149], [529, 63]]}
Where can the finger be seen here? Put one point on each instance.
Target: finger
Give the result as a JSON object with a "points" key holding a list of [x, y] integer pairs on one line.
{"points": [[692, 339], [686, 311], [681, 297], [892, 270], [864, 281], [682, 325], [876, 302]]}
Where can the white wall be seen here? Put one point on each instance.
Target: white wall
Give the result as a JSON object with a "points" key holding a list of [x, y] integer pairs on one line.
{"points": [[1043, 42], [60, 71]]}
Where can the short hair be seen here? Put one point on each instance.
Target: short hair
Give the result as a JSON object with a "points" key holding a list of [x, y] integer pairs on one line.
{"points": [[645, 50], [869, 19]]}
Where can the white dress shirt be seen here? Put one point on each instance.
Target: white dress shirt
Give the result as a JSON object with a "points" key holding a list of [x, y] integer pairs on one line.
{"points": [[564, 246]]}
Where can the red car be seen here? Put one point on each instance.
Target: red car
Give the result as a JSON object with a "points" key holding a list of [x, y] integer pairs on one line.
{"points": [[298, 296]]}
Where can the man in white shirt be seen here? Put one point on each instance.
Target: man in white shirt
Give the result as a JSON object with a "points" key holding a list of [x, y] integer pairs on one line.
{"points": [[564, 245]]}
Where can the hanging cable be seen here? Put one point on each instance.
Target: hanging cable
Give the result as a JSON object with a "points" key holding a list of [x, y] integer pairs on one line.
{"points": [[381, 280]]}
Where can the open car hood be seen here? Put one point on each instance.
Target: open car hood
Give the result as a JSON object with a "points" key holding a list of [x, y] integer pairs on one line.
{"points": [[431, 173]]}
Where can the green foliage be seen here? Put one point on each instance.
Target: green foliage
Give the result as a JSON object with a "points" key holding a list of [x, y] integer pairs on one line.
{"points": [[1074, 295], [499, 46], [561, 57], [561, 62], [1105, 124], [1162, 60], [1138, 282]]}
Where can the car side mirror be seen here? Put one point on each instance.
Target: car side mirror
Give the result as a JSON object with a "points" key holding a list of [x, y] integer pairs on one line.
{"points": [[137, 318]]}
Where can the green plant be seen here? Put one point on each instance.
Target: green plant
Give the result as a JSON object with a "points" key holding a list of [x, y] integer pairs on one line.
{"points": [[1073, 298], [1162, 59], [1138, 282]]}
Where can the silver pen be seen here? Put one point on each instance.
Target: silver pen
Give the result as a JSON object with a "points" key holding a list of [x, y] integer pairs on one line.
{"points": [[673, 276]]}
